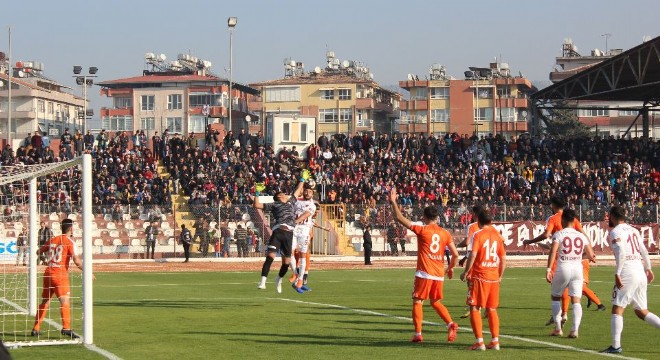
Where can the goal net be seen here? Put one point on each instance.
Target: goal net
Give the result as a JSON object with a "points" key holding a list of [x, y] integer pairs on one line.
{"points": [[34, 200]]}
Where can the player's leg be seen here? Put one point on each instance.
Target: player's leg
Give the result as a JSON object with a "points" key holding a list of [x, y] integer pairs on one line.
{"points": [[42, 309], [575, 292], [295, 260], [63, 291], [592, 297], [565, 303], [620, 299], [286, 242], [476, 300], [436, 294], [492, 303], [640, 304], [558, 287], [308, 264], [421, 289], [273, 247]]}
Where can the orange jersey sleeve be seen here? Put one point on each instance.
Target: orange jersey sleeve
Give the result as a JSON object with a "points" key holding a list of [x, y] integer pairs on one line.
{"points": [[488, 250], [431, 242]]}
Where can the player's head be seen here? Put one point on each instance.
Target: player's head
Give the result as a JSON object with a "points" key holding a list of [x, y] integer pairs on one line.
{"points": [[476, 210], [617, 215], [308, 192], [484, 218], [557, 203], [67, 226], [281, 196], [431, 213], [567, 218]]}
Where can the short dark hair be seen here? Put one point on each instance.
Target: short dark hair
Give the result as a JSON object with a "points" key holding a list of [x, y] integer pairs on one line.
{"points": [[617, 212], [484, 218], [558, 202], [431, 212], [477, 209], [67, 224], [568, 215]]}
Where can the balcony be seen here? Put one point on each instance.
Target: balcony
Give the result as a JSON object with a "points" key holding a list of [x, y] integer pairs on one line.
{"points": [[116, 112], [28, 114], [364, 123], [413, 119], [372, 104], [116, 92], [214, 111], [414, 104]]}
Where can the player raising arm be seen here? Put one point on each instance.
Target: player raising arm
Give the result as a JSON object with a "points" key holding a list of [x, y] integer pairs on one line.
{"points": [[429, 277], [632, 275]]}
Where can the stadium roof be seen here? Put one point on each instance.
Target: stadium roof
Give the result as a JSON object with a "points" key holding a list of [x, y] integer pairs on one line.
{"points": [[633, 75]]}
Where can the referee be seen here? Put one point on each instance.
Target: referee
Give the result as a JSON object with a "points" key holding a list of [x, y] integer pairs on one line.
{"points": [[281, 238]]}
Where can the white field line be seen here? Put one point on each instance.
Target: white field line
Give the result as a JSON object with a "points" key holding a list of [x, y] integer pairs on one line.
{"points": [[94, 348], [406, 319]]}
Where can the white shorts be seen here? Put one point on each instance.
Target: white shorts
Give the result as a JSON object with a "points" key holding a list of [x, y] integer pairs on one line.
{"points": [[633, 292], [570, 277], [301, 237]]}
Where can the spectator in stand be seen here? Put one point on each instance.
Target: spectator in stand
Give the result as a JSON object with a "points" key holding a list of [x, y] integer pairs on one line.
{"points": [[66, 141], [88, 140], [240, 236]]}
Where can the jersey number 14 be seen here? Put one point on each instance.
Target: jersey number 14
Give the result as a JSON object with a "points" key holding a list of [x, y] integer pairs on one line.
{"points": [[491, 250]]}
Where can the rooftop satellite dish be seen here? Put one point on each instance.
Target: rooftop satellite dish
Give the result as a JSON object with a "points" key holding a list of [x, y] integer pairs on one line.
{"points": [[330, 54], [335, 62], [345, 64], [292, 63], [371, 76], [646, 38], [248, 118], [411, 77], [21, 73], [162, 57], [317, 70], [149, 56]]}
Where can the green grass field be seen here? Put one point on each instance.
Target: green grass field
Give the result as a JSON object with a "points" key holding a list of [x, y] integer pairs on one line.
{"points": [[356, 314]]}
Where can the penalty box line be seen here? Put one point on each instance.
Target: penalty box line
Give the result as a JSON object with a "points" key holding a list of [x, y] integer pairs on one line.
{"points": [[407, 319]]}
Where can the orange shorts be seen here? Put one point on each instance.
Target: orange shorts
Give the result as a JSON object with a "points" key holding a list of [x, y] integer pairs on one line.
{"points": [[484, 294], [55, 283], [427, 289]]}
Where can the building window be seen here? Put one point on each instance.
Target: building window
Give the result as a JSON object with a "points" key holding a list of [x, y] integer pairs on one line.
{"points": [[506, 114], [503, 91], [283, 94], [345, 115], [197, 124], [148, 123], [118, 123], [123, 102], [174, 124], [483, 114], [328, 115], [593, 112], [484, 93], [303, 132], [174, 102], [286, 132], [344, 94], [199, 100], [419, 93], [439, 93], [50, 108], [440, 115], [148, 102], [628, 112], [41, 106], [66, 111], [327, 94]]}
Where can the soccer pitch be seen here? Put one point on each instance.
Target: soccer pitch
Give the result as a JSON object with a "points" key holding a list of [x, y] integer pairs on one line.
{"points": [[350, 314]]}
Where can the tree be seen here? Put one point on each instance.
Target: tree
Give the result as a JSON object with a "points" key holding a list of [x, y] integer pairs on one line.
{"points": [[564, 123]]}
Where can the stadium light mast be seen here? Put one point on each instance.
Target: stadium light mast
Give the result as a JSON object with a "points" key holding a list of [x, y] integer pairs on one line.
{"points": [[85, 81], [231, 24], [9, 75]]}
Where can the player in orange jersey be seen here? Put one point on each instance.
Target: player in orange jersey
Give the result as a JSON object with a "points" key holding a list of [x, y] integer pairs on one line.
{"points": [[484, 270], [552, 225], [59, 251], [471, 229], [429, 277]]}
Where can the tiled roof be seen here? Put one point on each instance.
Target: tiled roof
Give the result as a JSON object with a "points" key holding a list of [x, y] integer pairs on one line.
{"points": [[162, 79], [20, 82], [312, 78]]}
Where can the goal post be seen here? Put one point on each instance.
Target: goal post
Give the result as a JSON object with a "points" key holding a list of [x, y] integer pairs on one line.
{"points": [[29, 195]]}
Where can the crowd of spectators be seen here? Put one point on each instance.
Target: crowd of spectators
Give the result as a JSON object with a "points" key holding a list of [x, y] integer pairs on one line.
{"points": [[514, 177]]}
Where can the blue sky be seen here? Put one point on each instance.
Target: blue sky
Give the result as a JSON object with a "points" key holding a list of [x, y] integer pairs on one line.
{"points": [[393, 38]]}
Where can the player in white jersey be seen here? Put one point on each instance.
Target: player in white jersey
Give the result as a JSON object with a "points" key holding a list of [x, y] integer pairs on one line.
{"points": [[304, 211], [568, 247], [631, 278]]}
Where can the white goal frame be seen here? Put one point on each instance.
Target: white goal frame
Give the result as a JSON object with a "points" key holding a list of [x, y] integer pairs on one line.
{"points": [[31, 173]]}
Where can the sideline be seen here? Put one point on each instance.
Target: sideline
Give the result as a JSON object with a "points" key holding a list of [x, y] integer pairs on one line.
{"points": [[369, 312]]}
